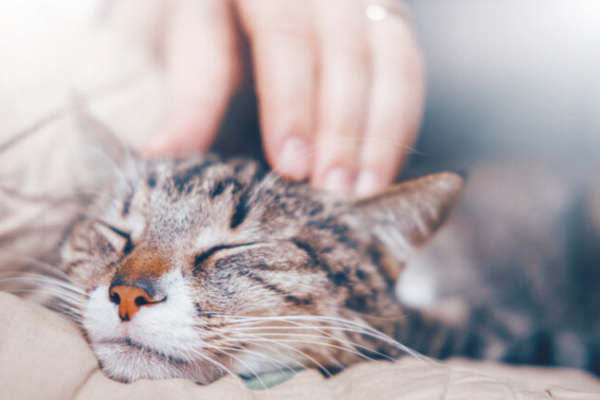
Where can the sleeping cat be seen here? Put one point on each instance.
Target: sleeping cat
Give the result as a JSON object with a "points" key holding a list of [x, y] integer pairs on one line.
{"points": [[203, 266], [192, 268]]}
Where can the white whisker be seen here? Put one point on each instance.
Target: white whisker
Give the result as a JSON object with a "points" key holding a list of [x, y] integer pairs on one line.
{"points": [[350, 345], [244, 364], [29, 261], [26, 277], [300, 352], [355, 328]]}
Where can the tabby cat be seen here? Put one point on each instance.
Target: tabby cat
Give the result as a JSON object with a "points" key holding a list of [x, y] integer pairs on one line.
{"points": [[198, 267], [195, 267]]}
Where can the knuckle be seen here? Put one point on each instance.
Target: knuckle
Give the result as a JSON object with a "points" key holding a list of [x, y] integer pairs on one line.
{"points": [[351, 54], [296, 31]]}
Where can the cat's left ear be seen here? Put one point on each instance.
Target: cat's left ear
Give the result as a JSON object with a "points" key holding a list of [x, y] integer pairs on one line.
{"points": [[104, 154], [405, 217]]}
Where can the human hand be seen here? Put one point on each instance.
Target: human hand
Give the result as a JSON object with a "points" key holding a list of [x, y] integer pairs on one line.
{"points": [[340, 94]]}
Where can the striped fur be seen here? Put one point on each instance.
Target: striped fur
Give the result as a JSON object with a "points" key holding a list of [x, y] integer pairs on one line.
{"points": [[248, 251], [257, 274]]}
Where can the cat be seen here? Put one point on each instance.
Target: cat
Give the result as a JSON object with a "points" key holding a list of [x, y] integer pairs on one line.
{"points": [[198, 267], [190, 268]]}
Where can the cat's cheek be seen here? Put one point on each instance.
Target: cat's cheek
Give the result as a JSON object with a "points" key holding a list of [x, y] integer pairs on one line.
{"points": [[171, 326], [101, 319], [92, 272]]}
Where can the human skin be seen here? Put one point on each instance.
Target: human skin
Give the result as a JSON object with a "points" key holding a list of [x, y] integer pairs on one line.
{"points": [[340, 95]]}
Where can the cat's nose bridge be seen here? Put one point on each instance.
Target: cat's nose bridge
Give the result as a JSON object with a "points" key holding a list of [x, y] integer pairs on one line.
{"points": [[130, 299], [134, 284], [142, 266]]}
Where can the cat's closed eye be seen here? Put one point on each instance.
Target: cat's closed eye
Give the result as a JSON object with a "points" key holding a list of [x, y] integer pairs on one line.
{"points": [[202, 257], [117, 238]]}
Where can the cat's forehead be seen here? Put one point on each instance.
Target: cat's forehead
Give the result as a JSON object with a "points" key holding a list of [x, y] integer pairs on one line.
{"points": [[196, 195], [208, 202], [200, 173]]}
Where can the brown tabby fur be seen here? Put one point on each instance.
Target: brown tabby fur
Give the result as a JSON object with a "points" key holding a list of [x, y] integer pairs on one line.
{"points": [[247, 245]]}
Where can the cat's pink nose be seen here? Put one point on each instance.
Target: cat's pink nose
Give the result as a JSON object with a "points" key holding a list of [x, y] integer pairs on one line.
{"points": [[130, 299]]}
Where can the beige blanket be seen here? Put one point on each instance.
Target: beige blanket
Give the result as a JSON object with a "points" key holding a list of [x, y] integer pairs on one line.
{"points": [[43, 355]]}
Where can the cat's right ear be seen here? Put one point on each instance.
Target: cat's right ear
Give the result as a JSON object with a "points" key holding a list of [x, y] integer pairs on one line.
{"points": [[106, 157], [406, 216]]}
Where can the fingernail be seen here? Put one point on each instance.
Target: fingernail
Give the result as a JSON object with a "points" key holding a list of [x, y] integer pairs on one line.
{"points": [[368, 184], [339, 181], [294, 161]]}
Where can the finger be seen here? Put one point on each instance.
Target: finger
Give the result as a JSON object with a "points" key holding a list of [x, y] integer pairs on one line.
{"points": [[202, 73], [344, 91], [396, 105], [284, 62]]}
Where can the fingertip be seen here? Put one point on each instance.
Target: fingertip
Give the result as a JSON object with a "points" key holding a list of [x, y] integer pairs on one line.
{"points": [[156, 146], [294, 160], [339, 180], [369, 183]]}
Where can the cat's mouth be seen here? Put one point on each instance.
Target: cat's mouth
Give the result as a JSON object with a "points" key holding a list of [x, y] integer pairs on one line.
{"points": [[127, 360], [141, 349]]}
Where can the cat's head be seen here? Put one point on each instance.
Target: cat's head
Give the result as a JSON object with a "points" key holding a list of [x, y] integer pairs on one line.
{"points": [[198, 266]]}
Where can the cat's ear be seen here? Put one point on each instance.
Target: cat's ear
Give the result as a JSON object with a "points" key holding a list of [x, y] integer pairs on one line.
{"points": [[104, 154], [404, 217]]}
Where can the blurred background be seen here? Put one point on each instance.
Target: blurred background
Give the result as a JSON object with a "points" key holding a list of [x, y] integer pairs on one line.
{"points": [[518, 77], [504, 76]]}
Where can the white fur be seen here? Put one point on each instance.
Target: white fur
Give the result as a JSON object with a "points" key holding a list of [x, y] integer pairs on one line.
{"points": [[416, 286], [137, 224], [166, 328]]}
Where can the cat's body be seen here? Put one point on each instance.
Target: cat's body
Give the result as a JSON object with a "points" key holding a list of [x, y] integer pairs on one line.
{"points": [[521, 254]]}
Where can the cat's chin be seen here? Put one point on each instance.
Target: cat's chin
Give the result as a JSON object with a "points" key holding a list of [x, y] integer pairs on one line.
{"points": [[128, 362]]}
